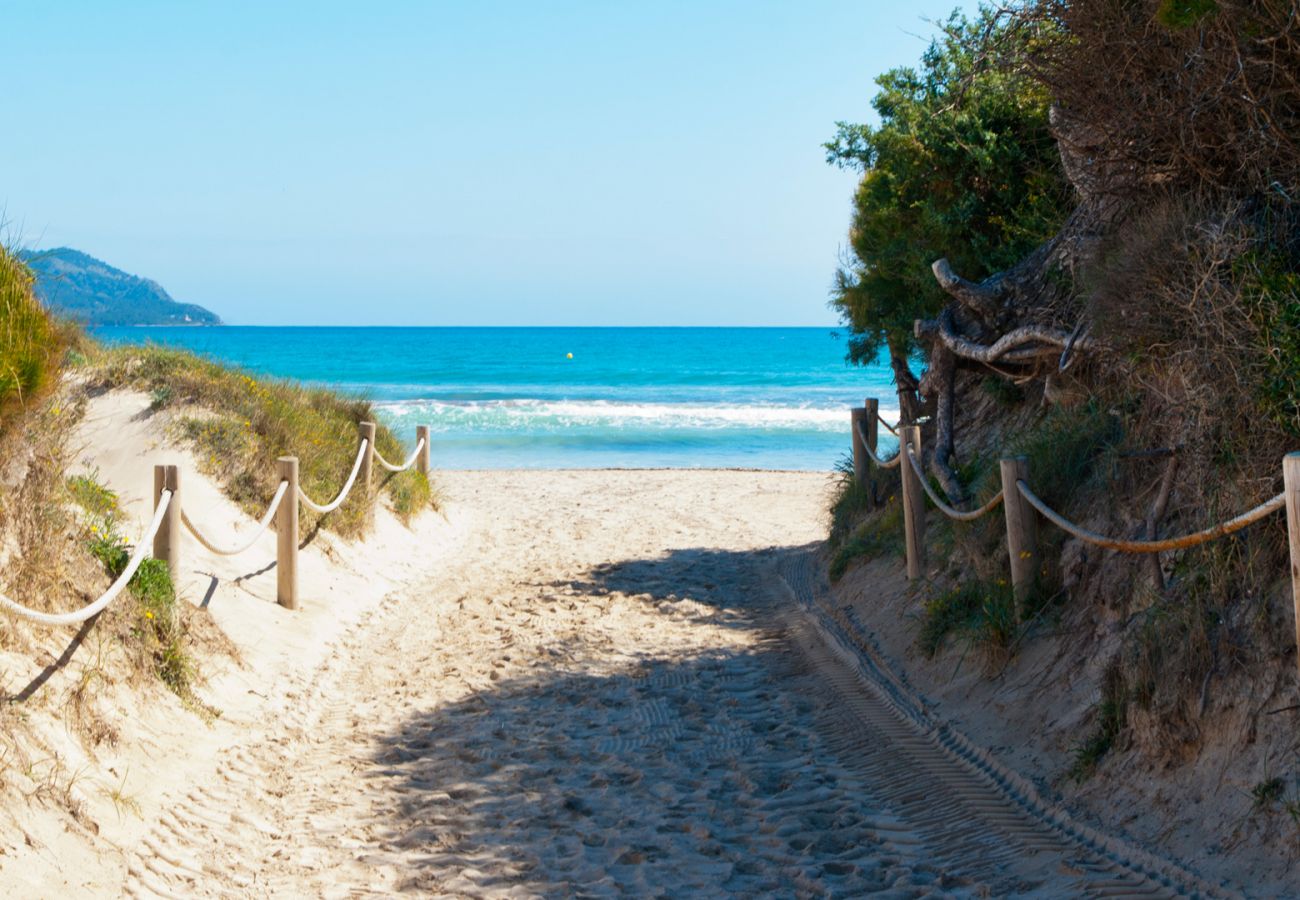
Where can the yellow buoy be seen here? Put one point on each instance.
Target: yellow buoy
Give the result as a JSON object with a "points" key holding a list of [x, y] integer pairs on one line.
{"points": [[568, 356]]}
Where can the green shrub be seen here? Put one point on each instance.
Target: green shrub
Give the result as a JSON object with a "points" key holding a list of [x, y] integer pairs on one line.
{"points": [[1063, 448], [31, 342], [985, 613], [92, 496]]}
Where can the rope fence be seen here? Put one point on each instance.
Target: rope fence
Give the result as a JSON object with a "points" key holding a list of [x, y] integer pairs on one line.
{"points": [[344, 491], [98, 606], [163, 534], [419, 446], [1023, 508]]}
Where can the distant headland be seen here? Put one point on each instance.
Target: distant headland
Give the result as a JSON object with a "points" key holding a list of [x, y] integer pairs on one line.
{"points": [[77, 285]]}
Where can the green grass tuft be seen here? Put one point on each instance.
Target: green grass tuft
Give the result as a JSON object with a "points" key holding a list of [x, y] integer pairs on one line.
{"points": [[1110, 721], [92, 496], [1063, 449], [880, 534], [412, 494]]}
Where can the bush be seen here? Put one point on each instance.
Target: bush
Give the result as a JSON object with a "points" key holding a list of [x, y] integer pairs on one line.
{"points": [[31, 342]]}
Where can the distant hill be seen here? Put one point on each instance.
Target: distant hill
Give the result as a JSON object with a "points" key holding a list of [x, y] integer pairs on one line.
{"points": [[93, 292]]}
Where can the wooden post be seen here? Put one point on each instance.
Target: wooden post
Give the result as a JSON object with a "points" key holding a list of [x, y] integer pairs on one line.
{"points": [[286, 536], [1022, 526], [1291, 485], [873, 444], [913, 502], [422, 461], [167, 542], [861, 465], [367, 467]]}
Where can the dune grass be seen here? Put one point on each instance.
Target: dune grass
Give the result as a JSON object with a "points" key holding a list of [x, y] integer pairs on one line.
{"points": [[238, 424], [31, 341]]}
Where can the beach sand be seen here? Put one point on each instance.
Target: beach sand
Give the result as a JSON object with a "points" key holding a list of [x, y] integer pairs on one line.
{"points": [[575, 683]]}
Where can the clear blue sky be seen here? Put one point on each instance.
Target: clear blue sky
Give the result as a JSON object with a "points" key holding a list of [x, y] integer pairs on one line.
{"points": [[448, 163]]}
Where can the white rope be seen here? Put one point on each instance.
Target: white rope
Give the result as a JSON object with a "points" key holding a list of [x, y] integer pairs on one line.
{"points": [[81, 615], [950, 511], [882, 463], [261, 526], [1188, 540], [334, 504], [406, 465]]}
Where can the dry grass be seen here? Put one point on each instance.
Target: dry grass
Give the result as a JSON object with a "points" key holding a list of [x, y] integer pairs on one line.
{"points": [[241, 424]]}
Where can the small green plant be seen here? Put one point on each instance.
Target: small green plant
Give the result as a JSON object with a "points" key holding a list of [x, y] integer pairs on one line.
{"points": [[880, 534], [1006, 393], [160, 397], [107, 546], [848, 503], [1111, 718], [411, 493], [121, 799], [1267, 793], [157, 629], [92, 496], [983, 611]]}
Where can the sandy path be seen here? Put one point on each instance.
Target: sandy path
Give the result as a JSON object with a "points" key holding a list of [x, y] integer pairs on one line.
{"points": [[608, 691]]}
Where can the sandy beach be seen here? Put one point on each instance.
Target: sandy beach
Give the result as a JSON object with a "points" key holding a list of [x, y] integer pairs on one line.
{"points": [[602, 686]]}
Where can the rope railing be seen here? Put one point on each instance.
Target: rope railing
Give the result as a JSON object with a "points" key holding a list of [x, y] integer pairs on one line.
{"points": [[347, 487], [415, 454], [892, 429], [880, 462], [951, 511], [1206, 535], [170, 518], [122, 580], [1023, 508], [262, 526]]}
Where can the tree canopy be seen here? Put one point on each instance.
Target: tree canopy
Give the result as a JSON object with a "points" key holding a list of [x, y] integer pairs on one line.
{"points": [[962, 165]]}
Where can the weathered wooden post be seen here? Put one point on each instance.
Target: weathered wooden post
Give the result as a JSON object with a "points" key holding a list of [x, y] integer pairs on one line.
{"points": [[1022, 526], [422, 459], [167, 541], [286, 535], [909, 437], [872, 438], [1291, 485], [861, 465], [367, 467]]}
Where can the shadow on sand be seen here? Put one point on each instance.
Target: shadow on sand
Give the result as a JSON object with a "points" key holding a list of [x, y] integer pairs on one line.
{"points": [[689, 762]]}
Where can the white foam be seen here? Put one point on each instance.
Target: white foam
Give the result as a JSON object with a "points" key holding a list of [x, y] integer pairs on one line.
{"points": [[557, 414]]}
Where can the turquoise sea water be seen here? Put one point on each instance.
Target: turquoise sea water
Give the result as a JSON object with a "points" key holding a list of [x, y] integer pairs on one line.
{"points": [[769, 398]]}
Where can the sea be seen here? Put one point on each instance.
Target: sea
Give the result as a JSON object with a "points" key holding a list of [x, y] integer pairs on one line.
{"points": [[504, 398]]}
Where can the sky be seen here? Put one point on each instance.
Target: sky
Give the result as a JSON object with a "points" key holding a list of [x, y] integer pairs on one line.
{"points": [[438, 163]]}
